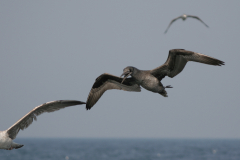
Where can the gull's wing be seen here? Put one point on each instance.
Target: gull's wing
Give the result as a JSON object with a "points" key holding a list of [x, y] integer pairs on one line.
{"points": [[25, 121], [197, 19], [171, 23], [106, 82], [178, 58]]}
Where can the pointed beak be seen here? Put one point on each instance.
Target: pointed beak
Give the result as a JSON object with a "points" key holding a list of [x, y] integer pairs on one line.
{"points": [[125, 74]]}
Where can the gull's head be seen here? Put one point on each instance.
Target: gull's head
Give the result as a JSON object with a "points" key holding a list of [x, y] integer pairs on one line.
{"points": [[128, 71]]}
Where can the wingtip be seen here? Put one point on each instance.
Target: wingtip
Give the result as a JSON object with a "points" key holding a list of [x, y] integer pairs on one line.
{"points": [[88, 107], [221, 63]]}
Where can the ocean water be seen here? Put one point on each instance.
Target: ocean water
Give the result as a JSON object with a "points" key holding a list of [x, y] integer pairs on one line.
{"points": [[123, 149]]}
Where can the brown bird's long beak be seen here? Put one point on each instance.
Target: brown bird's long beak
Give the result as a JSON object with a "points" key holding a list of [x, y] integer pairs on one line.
{"points": [[125, 74]]}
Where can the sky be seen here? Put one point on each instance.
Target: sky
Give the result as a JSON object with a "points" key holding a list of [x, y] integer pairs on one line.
{"points": [[54, 50]]}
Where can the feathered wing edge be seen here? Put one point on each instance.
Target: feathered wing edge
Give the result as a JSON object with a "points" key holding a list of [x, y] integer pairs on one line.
{"points": [[27, 120], [177, 59], [106, 82], [196, 17], [171, 23]]}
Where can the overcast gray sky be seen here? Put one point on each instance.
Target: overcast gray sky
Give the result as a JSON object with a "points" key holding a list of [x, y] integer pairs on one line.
{"points": [[52, 50]]}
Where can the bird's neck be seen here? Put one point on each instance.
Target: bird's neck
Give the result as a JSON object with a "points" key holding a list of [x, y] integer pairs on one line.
{"points": [[138, 76]]}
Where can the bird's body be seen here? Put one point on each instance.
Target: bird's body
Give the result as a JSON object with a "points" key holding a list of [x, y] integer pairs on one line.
{"points": [[184, 17], [151, 83], [7, 136], [148, 79], [6, 142]]}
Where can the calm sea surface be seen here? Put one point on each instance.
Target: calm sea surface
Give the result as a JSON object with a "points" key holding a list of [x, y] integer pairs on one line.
{"points": [[123, 149]]}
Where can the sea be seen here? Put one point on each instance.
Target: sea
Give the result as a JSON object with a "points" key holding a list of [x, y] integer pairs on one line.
{"points": [[123, 149]]}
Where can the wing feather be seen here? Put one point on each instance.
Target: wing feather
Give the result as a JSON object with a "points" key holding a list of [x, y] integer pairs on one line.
{"points": [[178, 58], [196, 17], [171, 23], [106, 82], [26, 120]]}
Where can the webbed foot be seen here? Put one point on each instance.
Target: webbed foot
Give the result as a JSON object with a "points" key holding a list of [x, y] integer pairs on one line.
{"points": [[168, 86]]}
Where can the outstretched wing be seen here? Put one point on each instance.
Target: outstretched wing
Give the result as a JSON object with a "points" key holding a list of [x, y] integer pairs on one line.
{"points": [[25, 121], [171, 23], [106, 82], [178, 58], [197, 19]]}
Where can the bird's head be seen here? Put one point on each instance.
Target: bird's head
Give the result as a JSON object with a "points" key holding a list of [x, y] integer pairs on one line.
{"points": [[184, 17], [128, 71]]}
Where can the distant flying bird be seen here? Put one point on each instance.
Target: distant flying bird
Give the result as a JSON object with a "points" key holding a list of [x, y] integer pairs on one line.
{"points": [[7, 136], [184, 17], [148, 79]]}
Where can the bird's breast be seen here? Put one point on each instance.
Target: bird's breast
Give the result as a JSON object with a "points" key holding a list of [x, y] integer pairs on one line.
{"points": [[5, 141], [150, 83]]}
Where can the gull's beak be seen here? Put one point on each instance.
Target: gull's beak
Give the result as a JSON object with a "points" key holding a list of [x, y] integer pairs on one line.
{"points": [[125, 74]]}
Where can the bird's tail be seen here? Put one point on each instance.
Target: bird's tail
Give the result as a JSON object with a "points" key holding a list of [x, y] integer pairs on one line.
{"points": [[163, 93], [16, 146]]}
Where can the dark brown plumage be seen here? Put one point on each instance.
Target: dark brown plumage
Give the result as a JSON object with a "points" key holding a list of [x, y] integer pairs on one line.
{"points": [[148, 79], [107, 81], [176, 61]]}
